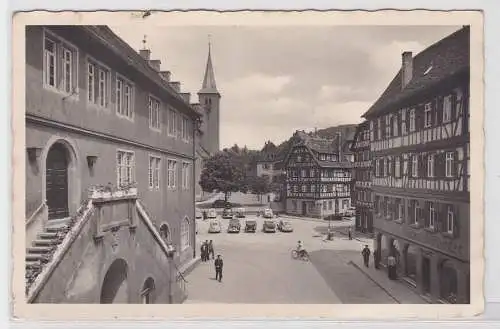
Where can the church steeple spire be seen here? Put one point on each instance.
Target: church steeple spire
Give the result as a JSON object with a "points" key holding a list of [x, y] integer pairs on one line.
{"points": [[209, 86]]}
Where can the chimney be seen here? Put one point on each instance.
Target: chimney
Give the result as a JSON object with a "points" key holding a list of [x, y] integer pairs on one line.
{"points": [[186, 97], [165, 75], [176, 85], [155, 64], [406, 68], [145, 53], [339, 143]]}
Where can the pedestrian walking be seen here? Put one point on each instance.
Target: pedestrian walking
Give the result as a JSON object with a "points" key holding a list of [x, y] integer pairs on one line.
{"points": [[211, 249], [219, 263], [391, 265], [350, 233], [204, 215], [366, 255], [203, 252]]}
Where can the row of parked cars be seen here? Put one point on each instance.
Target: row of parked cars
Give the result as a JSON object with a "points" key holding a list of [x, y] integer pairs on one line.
{"points": [[234, 226]]}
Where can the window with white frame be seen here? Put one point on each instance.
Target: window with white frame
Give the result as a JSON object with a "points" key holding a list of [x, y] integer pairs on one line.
{"points": [[185, 129], [386, 164], [325, 205], [397, 167], [313, 188], [379, 129], [303, 187], [124, 92], [125, 167], [447, 109], [303, 173], [154, 113], [185, 175], [59, 64], [172, 173], [416, 213], [432, 216], [403, 122], [97, 84], [412, 120], [185, 236], [428, 115], [172, 122], [377, 167], [395, 125], [388, 119], [154, 172], [430, 165], [414, 166], [295, 188], [450, 220], [401, 210], [449, 164]]}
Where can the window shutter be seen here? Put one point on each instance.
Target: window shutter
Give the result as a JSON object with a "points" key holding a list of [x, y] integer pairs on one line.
{"points": [[426, 214], [453, 106], [455, 164], [456, 226], [441, 217], [439, 110]]}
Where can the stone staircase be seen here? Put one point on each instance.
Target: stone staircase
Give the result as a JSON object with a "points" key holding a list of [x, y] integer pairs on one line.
{"points": [[46, 243]]}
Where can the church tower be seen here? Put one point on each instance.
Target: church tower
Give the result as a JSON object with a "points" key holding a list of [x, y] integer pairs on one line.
{"points": [[209, 99]]}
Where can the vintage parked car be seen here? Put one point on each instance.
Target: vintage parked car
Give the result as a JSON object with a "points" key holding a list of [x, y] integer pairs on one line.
{"points": [[234, 226], [227, 213], [211, 213], [269, 226], [250, 226], [268, 213], [285, 226], [214, 226], [199, 214], [240, 212], [221, 204]]}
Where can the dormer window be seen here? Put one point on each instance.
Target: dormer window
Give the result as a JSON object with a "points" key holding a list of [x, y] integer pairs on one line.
{"points": [[428, 69]]}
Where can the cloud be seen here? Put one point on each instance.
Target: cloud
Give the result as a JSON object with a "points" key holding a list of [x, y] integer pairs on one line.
{"points": [[274, 80], [256, 84]]}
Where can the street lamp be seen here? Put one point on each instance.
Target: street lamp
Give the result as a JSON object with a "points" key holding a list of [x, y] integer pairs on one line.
{"points": [[170, 257]]}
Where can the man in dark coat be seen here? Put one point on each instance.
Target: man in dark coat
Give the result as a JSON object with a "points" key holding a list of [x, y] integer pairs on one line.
{"points": [[211, 249], [218, 268], [203, 252], [366, 255], [350, 233]]}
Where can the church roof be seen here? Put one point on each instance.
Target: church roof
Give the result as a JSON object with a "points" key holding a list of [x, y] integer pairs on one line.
{"points": [[209, 86]]}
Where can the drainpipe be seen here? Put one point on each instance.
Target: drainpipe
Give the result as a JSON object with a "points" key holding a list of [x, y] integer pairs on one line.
{"points": [[194, 189]]}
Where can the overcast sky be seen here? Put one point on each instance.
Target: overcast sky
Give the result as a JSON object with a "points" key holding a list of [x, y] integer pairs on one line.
{"points": [[278, 79]]}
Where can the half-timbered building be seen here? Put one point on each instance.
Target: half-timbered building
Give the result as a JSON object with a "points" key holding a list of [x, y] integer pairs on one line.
{"points": [[318, 176], [419, 138], [362, 175]]}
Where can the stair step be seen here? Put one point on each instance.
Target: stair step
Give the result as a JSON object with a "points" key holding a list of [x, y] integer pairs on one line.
{"points": [[48, 235], [39, 250], [45, 242], [33, 264], [55, 229], [34, 257]]}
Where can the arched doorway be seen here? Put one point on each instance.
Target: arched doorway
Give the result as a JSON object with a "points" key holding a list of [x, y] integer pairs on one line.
{"points": [[147, 293], [411, 258], [165, 232], [448, 282], [57, 181], [114, 286]]}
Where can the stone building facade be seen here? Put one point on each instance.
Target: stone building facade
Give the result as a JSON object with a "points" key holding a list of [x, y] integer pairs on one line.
{"points": [[104, 118], [419, 138]]}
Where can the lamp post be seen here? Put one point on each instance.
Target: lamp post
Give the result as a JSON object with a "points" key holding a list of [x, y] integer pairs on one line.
{"points": [[170, 257]]}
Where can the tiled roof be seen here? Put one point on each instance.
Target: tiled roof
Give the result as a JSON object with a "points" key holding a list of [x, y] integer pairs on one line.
{"points": [[443, 59]]}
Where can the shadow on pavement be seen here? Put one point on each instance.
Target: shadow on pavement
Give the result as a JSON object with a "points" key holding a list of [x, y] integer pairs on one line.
{"points": [[348, 283]]}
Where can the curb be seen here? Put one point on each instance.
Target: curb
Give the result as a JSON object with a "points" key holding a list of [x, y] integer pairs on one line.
{"points": [[374, 281]]}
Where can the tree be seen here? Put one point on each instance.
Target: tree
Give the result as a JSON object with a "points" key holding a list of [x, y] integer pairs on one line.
{"points": [[259, 185], [223, 172]]}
